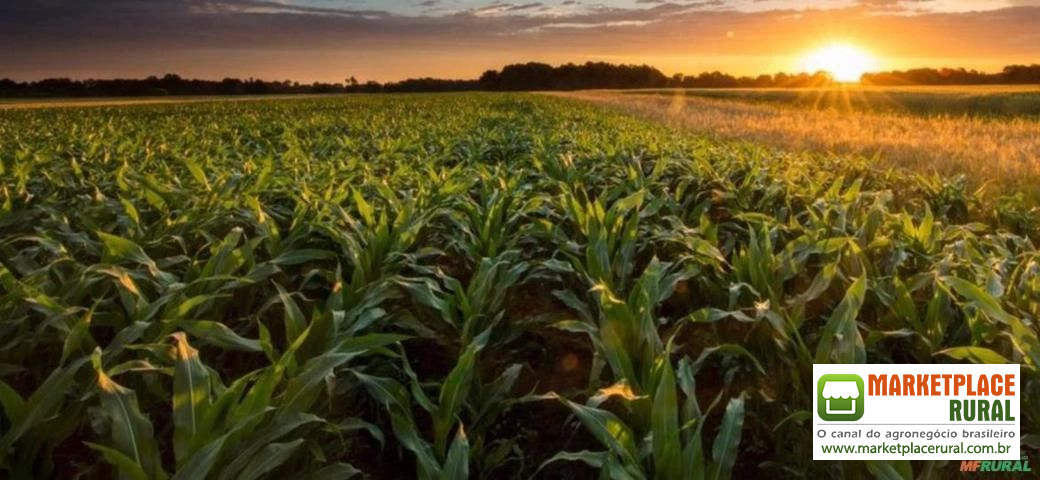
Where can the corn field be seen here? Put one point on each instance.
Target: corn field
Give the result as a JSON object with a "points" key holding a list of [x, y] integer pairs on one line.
{"points": [[997, 155], [466, 286]]}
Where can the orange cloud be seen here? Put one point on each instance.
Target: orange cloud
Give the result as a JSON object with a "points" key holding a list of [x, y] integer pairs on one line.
{"points": [[300, 41]]}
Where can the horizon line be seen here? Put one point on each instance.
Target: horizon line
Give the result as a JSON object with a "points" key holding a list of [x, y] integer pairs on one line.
{"points": [[473, 79]]}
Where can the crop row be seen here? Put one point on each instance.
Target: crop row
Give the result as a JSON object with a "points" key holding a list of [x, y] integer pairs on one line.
{"points": [[458, 286]]}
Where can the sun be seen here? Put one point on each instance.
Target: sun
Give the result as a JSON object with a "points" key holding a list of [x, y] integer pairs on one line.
{"points": [[846, 63]]}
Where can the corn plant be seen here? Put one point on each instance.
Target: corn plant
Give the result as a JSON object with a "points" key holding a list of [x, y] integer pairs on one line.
{"points": [[495, 221], [460, 396], [334, 287], [671, 446]]}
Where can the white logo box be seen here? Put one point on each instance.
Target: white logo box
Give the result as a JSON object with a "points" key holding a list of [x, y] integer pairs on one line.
{"points": [[896, 427]]}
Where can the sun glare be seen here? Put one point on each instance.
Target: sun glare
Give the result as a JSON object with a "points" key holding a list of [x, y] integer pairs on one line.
{"points": [[845, 63]]}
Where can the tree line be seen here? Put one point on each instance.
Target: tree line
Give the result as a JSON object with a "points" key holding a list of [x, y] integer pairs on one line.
{"points": [[1010, 75], [516, 77], [169, 84]]}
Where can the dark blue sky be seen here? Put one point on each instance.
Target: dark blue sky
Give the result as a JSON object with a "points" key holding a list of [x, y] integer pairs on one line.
{"points": [[331, 39]]}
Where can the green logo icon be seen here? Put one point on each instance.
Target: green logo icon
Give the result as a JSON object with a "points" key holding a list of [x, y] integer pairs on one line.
{"points": [[839, 398]]}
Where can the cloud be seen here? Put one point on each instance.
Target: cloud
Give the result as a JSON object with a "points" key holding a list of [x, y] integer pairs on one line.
{"points": [[579, 25], [499, 8], [317, 40], [896, 5]]}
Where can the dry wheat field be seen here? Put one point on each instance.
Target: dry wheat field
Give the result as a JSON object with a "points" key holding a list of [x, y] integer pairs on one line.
{"points": [[998, 152]]}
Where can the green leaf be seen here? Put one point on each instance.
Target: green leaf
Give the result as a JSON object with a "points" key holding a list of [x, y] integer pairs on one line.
{"points": [[131, 211], [608, 429], [840, 341], [185, 307], [118, 249], [219, 335], [395, 398], [196, 171], [219, 414], [364, 208], [41, 405], [190, 395], [336, 471], [77, 338], [727, 349], [295, 323], [632, 201], [201, 462], [131, 431], [724, 449], [12, 403], [664, 422], [257, 441], [367, 343], [592, 459], [296, 257], [126, 466], [456, 465], [304, 387], [269, 458], [974, 354], [890, 469], [455, 389], [984, 301], [1031, 440]]}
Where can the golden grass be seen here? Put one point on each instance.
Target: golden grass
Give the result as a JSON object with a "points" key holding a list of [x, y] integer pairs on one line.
{"points": [[856, 88], [1001, 151], [973, 100]]}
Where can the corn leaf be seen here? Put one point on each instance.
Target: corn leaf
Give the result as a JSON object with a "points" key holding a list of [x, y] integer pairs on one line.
{"points": [[840, 340], [191, 395], [724, 449]]}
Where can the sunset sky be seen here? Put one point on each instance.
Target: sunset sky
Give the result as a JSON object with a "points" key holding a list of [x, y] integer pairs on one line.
{"points": [[329, 40]]}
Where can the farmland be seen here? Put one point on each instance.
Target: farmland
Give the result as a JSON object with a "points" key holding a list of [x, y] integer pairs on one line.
{"points": [[474, 286], [987, 100], [912, 130]]}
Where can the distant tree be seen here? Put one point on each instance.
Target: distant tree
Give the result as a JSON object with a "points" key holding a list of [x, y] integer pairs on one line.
{"points": [[1021, 74], [516, 77], [763, 81], [489, 80], [1011, 74]]}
